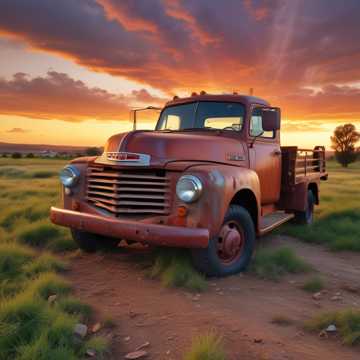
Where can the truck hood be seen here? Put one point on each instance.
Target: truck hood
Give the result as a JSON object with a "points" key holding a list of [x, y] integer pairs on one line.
{"points": [[167, 147]]}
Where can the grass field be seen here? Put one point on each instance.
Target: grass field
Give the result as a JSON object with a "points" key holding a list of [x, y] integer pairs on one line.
{"points": [[337, 219], [31, 326]]}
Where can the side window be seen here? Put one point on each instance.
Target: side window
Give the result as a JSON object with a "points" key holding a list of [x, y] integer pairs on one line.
{"points": [[172, 122], [256, 128]]}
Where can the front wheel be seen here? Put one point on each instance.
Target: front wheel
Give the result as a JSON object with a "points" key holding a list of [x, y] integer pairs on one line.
{"points": [[90, 242], [231, 250]]}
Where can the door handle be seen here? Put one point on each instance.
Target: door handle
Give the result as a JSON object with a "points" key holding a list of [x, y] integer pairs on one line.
{"points": [[276, 152]]}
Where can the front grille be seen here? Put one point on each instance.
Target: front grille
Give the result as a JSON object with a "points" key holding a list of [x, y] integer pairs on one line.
{"points": [[129, 192]]}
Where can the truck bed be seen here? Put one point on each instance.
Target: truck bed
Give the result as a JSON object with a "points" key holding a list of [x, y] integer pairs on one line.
{"points": [[302, 165]]}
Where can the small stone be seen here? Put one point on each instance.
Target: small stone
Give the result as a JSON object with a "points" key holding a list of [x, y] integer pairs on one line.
{"points": [[317, 296], [335, 298], [258, 341], [331, 328], [90, 353], [351, 289], [127, 338], [96, 327], [144, 345], [168, 352], [221, 293], [52, 298], [136, 355], [80, 330], [323, 334], [132, 314]]}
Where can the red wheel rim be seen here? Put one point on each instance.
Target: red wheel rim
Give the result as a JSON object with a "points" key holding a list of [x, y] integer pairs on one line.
{"points": [[230, 242]]}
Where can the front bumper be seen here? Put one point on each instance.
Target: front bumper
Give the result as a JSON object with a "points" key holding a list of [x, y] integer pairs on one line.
{"points": [[154, 234]]}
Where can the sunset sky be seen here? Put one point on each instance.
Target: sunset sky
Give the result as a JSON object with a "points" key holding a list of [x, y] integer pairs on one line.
{"points": [[71, 70]]}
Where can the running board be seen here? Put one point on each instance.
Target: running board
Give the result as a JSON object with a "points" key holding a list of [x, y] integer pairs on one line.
{"points": [[271, 221]]}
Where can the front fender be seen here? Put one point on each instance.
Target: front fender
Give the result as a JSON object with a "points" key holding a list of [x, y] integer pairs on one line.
{"points": [[221, 184]]}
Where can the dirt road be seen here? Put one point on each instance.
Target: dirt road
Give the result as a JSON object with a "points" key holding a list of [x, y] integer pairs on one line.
{"points": [[240, 307]]}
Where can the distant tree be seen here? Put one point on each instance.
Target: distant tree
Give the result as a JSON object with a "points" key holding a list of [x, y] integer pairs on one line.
{"points": [[30, 155], [93, 151], [4, 155], [343, 142], [16, 155]]}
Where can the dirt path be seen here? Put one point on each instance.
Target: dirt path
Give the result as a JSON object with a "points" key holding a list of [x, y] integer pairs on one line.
{"points": [[240, 307]]}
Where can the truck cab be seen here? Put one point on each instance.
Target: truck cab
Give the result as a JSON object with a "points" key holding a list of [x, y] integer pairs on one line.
{"points": [[211, 177]]}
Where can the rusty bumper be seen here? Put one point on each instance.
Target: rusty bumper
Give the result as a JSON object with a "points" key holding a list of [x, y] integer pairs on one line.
{"points": [[132, 230]]}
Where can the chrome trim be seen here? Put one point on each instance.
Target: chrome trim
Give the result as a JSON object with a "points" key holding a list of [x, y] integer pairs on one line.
{"points": [[110, 158]]}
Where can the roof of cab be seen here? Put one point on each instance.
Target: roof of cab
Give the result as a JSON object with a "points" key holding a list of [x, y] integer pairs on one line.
{"points": [[243, 99]]}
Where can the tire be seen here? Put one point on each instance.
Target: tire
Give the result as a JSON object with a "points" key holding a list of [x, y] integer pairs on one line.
{"points": [[92, 242], [306, 217], [225, 255]]}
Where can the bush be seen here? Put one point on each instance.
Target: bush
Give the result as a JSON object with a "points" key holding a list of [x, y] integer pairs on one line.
{"points": [[206, 347], [271, 264], [347, 322], [314, 285], [16, 155]]}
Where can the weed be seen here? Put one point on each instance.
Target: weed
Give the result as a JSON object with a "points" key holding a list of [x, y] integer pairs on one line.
{"points": [[174, 268], [206, 347], [100, 345], [272, 264], [314, 285], [74, 306], [38, 234], [282, 320], [347, 322], [48, 284], [44, 263]]}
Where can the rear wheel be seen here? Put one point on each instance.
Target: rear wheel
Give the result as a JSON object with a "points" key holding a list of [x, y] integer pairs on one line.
{"points": [[90, 242], [306, 217], [231, 250]]}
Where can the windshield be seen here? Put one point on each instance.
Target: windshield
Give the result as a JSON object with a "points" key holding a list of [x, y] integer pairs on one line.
{"points": [[202, 114]]}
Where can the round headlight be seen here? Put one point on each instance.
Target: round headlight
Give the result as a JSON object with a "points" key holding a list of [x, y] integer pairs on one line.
{"points": [[69, 176], [189, 188]]}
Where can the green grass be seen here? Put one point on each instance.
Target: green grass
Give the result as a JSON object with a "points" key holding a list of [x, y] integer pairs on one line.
{"points": [[314, 285], [30, 326], [173, 267], [206, 347], [272, 264], [346, 321], [337, 218]]}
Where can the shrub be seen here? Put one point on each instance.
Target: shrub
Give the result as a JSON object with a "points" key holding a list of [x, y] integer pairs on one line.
{"points": [[271, 264], [347, 322], [16, 155], [206, 347], [314, 285], [100, 345]]}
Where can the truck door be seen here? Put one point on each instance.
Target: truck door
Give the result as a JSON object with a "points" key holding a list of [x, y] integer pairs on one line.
{"points": [[265, 158]]}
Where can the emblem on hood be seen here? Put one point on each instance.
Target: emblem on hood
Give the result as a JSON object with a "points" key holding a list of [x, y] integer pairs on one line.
{"points": [[128, 158]]}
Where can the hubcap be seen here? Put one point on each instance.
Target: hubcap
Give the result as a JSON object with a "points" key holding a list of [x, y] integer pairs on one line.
{"points": [[231, 242]]}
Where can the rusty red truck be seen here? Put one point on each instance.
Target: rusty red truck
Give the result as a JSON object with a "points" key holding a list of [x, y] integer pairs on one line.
{"points": [[211, 177]]}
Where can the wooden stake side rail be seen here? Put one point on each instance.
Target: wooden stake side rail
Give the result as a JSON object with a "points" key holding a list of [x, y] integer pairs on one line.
{"points": [[301, 164]]}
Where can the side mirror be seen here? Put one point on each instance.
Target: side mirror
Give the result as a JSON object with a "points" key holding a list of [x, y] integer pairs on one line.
{"points": [[271, 119]]}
